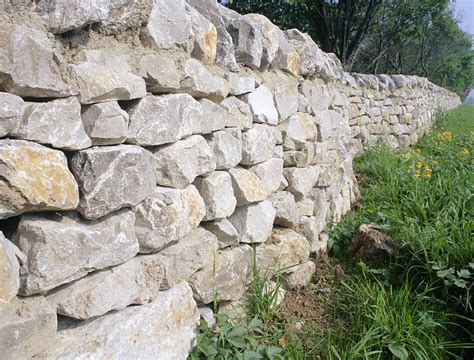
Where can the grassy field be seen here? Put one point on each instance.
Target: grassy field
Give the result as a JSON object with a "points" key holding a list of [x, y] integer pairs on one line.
{"points": [[418, 306]]}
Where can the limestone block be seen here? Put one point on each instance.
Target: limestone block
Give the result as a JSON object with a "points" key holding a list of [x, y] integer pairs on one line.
{"points": [[239, 113], [254, 222], [162, 31], [211, 10], [63, 247], [27, 327], [270, 174], [57, 123], [218, 194], [166, 216], [136, 282], [270, 40], [310, 227], [224, 231], [200, 82], [98, 83], [9, 271], [300, 275], [285, 90], [204, 34], [301, 180], [328, 122], [293, 133], [317, 94], [305, 207], [34, 178], [247, 186], [105, 123], [29, 67], [247, 38], [208, 316], [285, 248], [227, 147], [157, 120], [160, 73], [11, 110], [212, 117], [133, 332], [112, 177], [262, 105], [178, 164], [287, 213], [286, 58], [258, 144], [192, 253], [241, 83], [300, 158], [226, 278]]}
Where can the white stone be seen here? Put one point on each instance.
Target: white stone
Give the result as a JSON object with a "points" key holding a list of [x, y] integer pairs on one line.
{"points": [[165, 328], [105, 123], [224, 231], [258, 144], [262, 105], [178, 164], [240, 115], [160, 73], [57, 123], [226, 278], [227, 147], [63, 248], [212, 117], [9, 271], [300, 275], [218, 194], [270, 174], [166, 216], [287, 213], [112, 177], [240, 83], [254, 222], [11, 110], [301, 180], [247, 186], [204, 34]]}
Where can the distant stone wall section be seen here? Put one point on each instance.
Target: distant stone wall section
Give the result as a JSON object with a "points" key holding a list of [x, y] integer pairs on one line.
{"points": [[147, 146]]}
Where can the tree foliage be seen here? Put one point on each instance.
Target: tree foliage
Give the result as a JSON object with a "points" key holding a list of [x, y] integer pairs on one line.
{"points": [[419, 37]]}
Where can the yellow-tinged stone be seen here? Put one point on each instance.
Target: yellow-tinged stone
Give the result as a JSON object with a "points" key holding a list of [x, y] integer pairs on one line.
{"points": [[210, 45], [293, 63], [34, 178]]}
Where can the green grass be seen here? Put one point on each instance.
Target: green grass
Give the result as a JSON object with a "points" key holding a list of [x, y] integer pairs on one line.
{"points": [[418, 306]]}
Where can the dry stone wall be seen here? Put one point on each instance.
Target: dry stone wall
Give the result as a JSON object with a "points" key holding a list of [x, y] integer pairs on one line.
{"points": [[147, 145]]}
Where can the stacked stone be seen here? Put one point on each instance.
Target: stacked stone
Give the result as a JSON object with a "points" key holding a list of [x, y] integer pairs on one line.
{"points": [[142, 160]]}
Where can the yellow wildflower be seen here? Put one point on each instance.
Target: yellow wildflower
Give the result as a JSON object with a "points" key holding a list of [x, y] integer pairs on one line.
{"points": [[419, 164], [464, 152], [417, 174]]}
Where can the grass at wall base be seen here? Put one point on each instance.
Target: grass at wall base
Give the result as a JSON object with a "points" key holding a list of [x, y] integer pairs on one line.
{"points": [[417, 306]]}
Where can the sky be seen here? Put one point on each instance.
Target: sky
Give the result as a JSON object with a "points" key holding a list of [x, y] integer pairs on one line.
{"points": [[464, 10]]}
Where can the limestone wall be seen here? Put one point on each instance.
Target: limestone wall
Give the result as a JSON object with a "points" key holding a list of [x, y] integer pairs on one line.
{"points": [[147, 146]]}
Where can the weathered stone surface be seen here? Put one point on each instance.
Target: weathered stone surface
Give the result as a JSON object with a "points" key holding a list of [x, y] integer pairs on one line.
{"points": [[160, 73], [212, 117], [224, 231], [270, 174], [305, 207], [218, 194], [310, 227], [133, 332], [270, 40], [372, 245], [241, 83], [178, 164], [286, 58], [240, 115], [193, 252], [62, 247], [328, 122], [286, 210], [28, 64], [208, 316], [112, 177], [9, 271], [226, 278], [204, 34], [247, 38], [56, 123], [300, 275], [247, 186], [258, 144], [285, 90], [317, 96], [166, 216], [262, 105], [11, 110], [285, 248], [162, 31], [137, 281], [34, 178], [227, 147], [211, 10], [105, 123], [297, 130], [301, 180], [254, 222], [199, 82], [98, 83], [27, 327], [157, 120]]}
